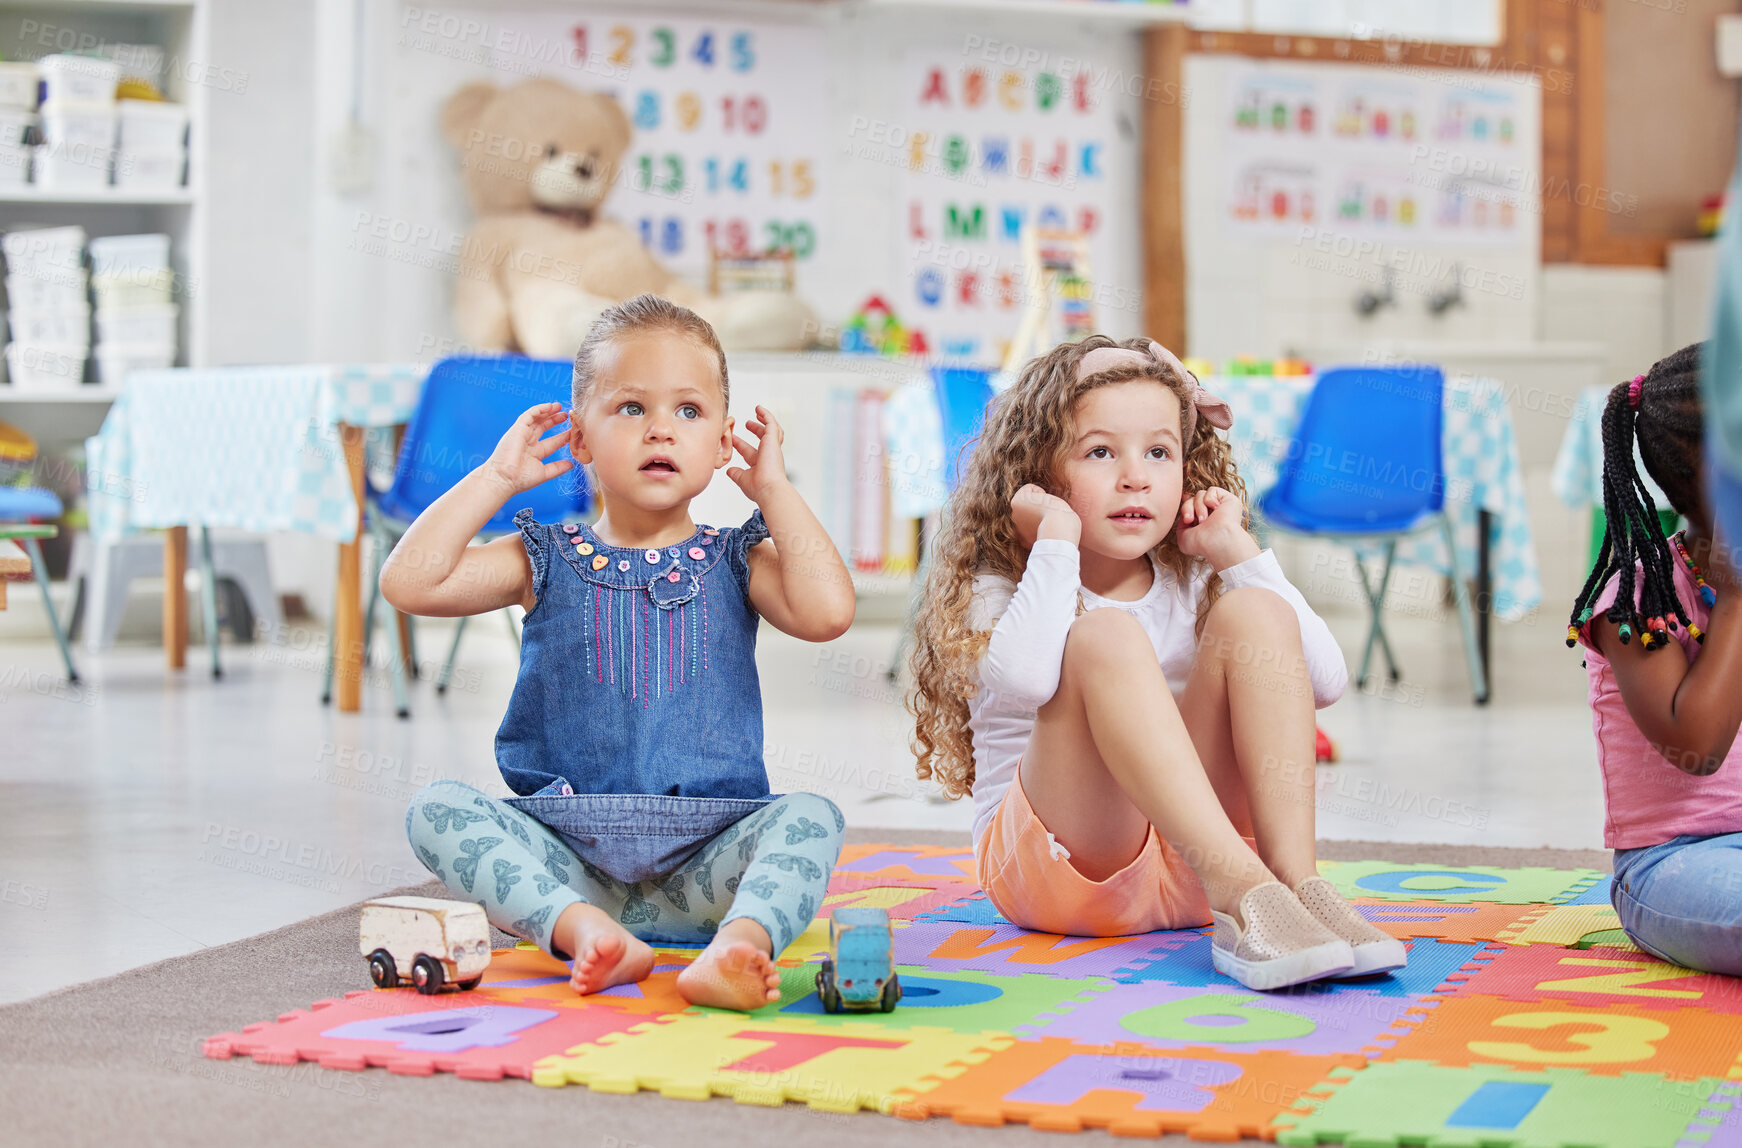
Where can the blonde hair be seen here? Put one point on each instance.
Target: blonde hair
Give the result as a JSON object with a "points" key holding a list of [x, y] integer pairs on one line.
{"points": [[646, 312], [1027, 434]]}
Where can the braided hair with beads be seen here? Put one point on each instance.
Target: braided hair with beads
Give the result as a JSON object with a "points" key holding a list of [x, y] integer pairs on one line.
{"points": [[1660, 410]]}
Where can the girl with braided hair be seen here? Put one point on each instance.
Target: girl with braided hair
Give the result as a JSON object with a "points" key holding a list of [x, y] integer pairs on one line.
{"points": [[1661, 622], [1125, 682]]}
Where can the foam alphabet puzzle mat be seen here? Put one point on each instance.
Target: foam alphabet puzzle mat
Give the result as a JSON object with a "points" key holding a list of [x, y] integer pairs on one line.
{"points": [[1524, 1018]]}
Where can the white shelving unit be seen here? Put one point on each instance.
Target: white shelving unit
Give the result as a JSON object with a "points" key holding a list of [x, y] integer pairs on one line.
{"points": [[33, 28]]}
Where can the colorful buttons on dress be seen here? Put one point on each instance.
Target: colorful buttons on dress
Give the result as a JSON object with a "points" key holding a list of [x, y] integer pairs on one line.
{"points": [[674, 552], [570, 528], [623, 564], [698, 553], [599, 561], [673, 576], [709, 531], [652, 556], [707, 540], [584, 547]]}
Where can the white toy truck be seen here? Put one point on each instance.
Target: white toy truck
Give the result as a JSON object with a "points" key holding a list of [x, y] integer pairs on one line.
{"points": [[425, 941]]}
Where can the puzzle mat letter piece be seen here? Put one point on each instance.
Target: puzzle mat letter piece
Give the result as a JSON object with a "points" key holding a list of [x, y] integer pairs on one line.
{"points": [[1381, 880], [534, 977], [408, 1033], [1564, 925], [1008, 950], [837, 1068], [1718, 1123], [1155, 1015], [1430, 962], [1061, 1086], [903, 902], [1598, 976], [1604, 1039], [1390, 881], [1472, 921], [1420, 1103], [940, 864], [964, 1002], [976, 909]]}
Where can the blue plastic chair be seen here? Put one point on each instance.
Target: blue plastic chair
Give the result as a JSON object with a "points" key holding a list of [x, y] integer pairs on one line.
{"points": [[18, 505], [962, 394], [467, 402], [1365, 467]]}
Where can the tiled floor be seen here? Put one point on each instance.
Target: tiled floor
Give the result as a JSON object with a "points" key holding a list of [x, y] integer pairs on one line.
{"points": [[151, 814]]}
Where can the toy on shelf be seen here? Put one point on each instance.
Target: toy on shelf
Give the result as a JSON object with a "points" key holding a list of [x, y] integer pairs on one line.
{"points": [[1061, 291], [426, 941], [859, 972], [874, 330], [770, 271], [17, 456]]}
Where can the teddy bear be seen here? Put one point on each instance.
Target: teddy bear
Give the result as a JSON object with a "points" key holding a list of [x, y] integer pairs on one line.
{"points": [[541, 263]]}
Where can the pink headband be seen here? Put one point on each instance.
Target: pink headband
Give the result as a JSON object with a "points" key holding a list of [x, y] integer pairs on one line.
{"points": [[1215, 411]]}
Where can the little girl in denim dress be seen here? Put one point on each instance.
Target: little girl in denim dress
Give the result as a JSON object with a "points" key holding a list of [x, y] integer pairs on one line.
{"points": [[633, 738]]}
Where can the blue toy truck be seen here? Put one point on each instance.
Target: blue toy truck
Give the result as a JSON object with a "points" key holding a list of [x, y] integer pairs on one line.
{"points": [[859, 972]]}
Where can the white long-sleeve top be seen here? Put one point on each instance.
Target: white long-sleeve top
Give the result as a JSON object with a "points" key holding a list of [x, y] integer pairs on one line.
{"points": [[1029, 622]]}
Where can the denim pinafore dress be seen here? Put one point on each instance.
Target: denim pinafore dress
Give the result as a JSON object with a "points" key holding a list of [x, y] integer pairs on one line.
{"points": [[635, 726]]}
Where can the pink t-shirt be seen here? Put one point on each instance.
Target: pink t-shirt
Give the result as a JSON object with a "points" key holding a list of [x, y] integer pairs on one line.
{"points": [[1649, 800]]}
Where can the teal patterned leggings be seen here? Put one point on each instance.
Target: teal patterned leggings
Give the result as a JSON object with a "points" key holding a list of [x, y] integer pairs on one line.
{"points": [[772, 867]]}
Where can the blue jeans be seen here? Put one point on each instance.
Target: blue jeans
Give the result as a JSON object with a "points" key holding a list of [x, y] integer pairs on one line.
{"points": [[1681, 901]]}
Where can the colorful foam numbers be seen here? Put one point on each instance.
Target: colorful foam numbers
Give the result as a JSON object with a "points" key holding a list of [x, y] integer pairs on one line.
{"points": [[1501, 1031]]}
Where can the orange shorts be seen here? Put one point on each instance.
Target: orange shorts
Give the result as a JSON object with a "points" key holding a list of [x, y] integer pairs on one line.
{"points": [[1034, 888]]}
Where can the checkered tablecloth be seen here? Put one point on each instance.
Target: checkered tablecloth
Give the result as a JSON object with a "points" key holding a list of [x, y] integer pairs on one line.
{"points": [[253, 448], [1578, 464], [1479, 453]]}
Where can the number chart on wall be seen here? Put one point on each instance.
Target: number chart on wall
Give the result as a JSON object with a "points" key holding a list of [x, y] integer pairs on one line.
{"points": [[728, 129], [1447, 158], [986, 151]]}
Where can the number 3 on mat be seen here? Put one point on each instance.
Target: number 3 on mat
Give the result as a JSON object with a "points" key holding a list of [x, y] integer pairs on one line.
{"points": [[1619, 1039]]}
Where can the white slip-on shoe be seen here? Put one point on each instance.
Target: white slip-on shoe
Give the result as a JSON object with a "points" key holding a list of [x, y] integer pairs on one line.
{"points": [[1376, 951], [1279, 944]]}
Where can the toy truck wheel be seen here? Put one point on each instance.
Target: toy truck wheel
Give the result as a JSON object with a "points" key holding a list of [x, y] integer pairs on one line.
{"points": [[382, 970], [891, 993], [426, 974], [470, 983], [827, 992]]}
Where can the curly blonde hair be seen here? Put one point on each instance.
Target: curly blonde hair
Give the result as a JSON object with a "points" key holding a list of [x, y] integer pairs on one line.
{"points": [[1027, 435]]}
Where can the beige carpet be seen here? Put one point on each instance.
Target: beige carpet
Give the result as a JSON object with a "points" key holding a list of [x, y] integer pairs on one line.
{"points": [[116, 1062]]}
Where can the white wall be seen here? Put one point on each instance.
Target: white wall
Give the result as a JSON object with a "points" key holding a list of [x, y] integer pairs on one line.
{"points": [[362, 307], [1276, 296]]}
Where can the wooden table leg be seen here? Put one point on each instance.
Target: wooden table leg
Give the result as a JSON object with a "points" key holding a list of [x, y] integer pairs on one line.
{"points": [[406, 654], [347, 591], [175, 599]]}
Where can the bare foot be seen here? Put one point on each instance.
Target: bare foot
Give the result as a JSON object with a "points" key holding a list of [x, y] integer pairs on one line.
{"points": [[605, 952], [735, 971]]}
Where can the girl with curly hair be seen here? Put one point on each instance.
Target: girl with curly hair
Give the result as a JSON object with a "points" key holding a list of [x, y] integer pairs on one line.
{"points": [[1125, 682]]}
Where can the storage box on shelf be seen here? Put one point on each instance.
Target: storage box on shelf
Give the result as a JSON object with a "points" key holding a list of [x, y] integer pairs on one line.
{"points": [[48, 316], [18, 86], [136, 321], [78, 79], [15, 124], [151, 148]]}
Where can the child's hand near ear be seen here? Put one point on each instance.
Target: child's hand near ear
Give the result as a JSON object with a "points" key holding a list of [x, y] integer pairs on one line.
{"points": [[518, 463], [766, 467], [1041, 515], [1210, 527]]}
